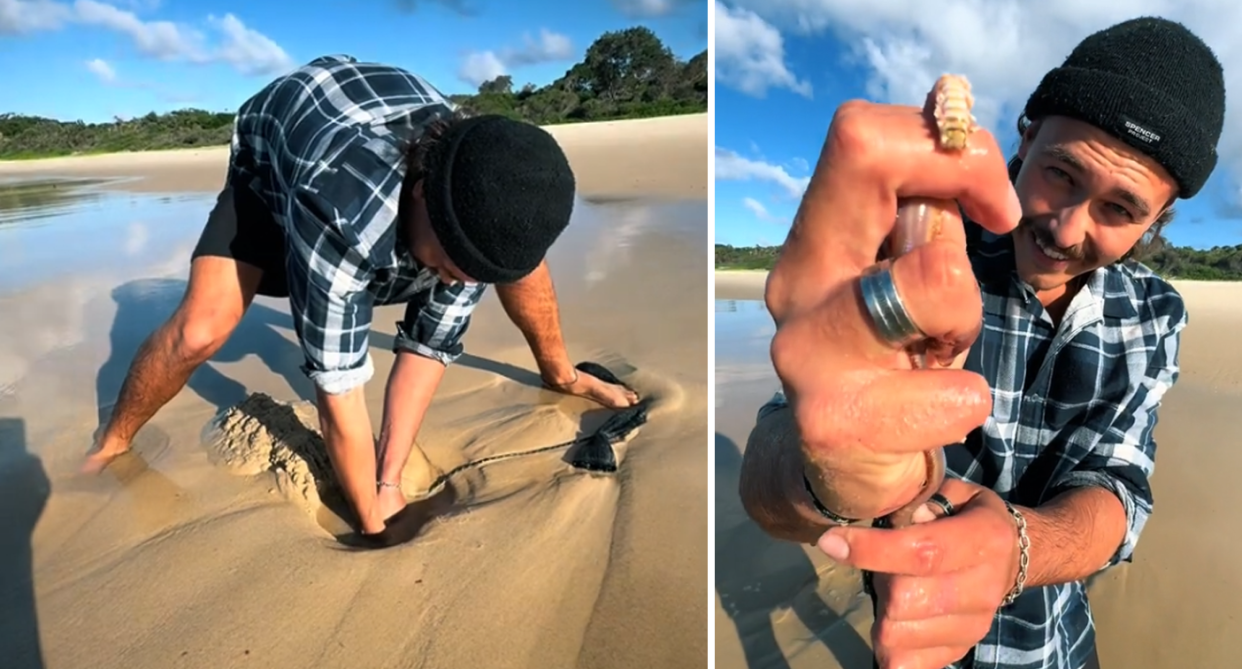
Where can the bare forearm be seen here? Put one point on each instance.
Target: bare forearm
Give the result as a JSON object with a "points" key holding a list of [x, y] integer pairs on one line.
{"points": [[347, 434], [411, 385], [531, 305], [1073, 536], [774, 494]]}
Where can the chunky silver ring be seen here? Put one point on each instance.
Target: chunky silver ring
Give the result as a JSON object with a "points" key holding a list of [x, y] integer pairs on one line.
{"points": [[888, 312], [942, 502]]}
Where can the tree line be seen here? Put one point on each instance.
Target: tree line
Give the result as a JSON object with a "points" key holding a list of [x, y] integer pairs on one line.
{"points": [[1219, 263], [625, 74]]}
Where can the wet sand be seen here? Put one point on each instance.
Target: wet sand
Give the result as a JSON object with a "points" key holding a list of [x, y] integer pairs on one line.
{"points": [[170, 558], [780, 605]]}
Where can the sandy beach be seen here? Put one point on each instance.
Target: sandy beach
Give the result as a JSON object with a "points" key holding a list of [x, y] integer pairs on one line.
{"points": [[174, 558], [780, 605]]}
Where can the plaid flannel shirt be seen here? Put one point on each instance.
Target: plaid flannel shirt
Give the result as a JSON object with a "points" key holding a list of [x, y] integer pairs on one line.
{"points": [[322, 146], [1073, 406]]}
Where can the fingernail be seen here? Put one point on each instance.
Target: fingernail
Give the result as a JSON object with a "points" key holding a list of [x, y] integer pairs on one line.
{"points": [[1015, 205], [834, 546]]}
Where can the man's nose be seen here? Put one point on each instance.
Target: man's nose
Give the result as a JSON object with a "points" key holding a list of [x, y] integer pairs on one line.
{"points": [[1069, 228]]}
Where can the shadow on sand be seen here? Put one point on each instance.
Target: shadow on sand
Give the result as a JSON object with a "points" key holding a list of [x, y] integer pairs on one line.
{"points": [[24, 491], [743, 554], [144, 304]]}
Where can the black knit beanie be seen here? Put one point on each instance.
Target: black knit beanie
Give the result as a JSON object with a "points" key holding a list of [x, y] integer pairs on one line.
{"points": [[499, 192], [1149, 82]]}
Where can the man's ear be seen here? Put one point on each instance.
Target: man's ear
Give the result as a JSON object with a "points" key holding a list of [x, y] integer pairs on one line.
{"points": [[1028, 138]]}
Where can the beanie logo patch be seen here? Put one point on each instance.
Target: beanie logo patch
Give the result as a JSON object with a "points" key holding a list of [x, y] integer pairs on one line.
{"points": [[1140, 133]]}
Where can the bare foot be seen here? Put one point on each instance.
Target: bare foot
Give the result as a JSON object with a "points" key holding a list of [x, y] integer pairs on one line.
{"points": [[388, 501], [610, 395], [98, 459]]}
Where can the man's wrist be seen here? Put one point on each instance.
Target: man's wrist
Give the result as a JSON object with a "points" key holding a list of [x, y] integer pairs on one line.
{"points": [[1020, 568]]}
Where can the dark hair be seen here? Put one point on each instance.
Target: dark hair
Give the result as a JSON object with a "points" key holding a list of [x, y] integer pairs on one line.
{"points": [[415, 152], [1151, 242]]}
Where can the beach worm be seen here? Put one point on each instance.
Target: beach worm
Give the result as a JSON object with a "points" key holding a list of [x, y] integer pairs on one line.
{"points": [[918, 221]]}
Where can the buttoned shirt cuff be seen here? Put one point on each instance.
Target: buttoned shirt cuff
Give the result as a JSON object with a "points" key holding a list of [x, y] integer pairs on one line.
{"points": [[341, 381]]}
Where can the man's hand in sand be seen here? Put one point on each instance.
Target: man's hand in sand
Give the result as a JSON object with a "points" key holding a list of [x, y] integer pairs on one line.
{"points": [[937, 584], [864, 416]]}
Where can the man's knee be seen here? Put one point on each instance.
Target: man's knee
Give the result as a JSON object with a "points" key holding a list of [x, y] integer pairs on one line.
{"points": [[199, 329], [198, 334], [219, 291]]}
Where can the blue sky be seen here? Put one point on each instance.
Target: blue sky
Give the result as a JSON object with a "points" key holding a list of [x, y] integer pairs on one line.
{"points": [[95, 59], [783, 66]]}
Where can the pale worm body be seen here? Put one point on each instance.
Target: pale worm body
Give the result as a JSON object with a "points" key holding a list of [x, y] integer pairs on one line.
{"points": [[920, 220]]}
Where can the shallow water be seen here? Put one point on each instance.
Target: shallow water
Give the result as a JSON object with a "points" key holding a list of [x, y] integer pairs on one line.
{"points": [[85, 267], [51, 230]]}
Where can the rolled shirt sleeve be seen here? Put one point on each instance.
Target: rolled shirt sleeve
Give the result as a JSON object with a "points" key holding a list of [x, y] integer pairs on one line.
{"points": [[1122, 459], [436, 319], [329, 297]]}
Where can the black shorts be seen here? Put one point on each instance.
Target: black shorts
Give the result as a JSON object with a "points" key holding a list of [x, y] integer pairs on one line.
{"points": [[241, 227]]}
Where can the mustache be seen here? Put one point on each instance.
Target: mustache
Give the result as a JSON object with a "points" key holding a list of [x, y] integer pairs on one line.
{"points": [[1045, 238]]}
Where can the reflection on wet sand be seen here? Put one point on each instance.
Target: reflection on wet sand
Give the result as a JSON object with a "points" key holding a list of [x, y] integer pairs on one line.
{"points": [[788, 605], [39, 197]]}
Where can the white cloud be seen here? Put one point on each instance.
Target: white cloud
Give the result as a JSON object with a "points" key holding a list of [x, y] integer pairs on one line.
{"points": [[732, 167], [651, 8], [158, 39], [248, 51], [456, 6], [1004, 46], [756, 207], [101, 69], [480, 66], [549, 47], [750, 54], [24, 16]]}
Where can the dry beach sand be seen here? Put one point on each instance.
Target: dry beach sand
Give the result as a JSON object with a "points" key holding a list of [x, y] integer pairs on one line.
{"points": [[1179, 604], [191, 553]]}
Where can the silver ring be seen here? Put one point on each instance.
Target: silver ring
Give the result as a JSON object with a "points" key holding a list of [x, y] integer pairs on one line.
{"points": [[942, 502], [888, 312]]}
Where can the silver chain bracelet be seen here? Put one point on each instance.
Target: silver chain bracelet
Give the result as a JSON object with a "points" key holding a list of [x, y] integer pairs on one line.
{"points": [[1024, 555]]}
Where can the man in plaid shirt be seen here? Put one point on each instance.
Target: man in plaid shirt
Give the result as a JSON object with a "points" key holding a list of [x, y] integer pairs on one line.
{"points": [[1052, 417], [358, 184]]}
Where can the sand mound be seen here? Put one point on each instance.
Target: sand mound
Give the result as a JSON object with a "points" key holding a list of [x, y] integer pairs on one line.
{"points": [[260, 435]]}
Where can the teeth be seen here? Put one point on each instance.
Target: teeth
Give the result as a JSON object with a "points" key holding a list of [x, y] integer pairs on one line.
{"points": [[1055, 255]]}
